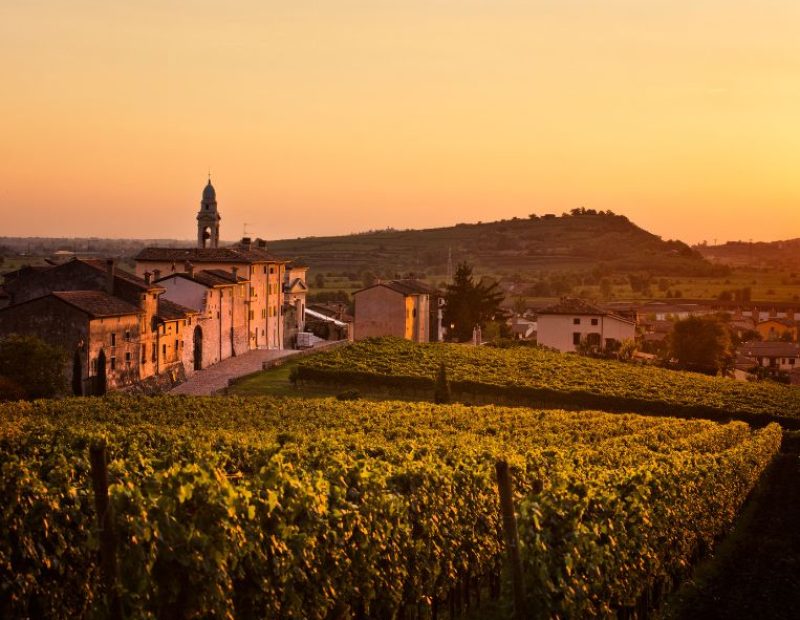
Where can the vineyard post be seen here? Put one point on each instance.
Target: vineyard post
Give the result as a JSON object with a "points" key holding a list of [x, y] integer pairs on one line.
{"points": [[511, 537], [108, 557]]}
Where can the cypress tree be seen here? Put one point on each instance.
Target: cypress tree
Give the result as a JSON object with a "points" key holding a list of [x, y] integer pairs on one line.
{"points": [[77, 374], [441, 392]]}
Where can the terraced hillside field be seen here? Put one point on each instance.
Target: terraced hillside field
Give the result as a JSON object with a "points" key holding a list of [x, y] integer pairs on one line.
{"points": [[286, 508], [541, 377]]}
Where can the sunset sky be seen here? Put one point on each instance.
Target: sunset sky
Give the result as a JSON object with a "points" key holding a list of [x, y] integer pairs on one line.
{"points": [[338, 116]]}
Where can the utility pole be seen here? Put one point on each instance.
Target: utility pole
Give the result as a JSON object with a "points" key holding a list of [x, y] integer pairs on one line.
{"points": [[449, 264]]}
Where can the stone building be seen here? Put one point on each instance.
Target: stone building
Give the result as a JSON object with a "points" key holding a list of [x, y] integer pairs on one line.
{"points": [[402, 308], [103, 331], [295, 290], [99, 286], [264, 272], [220, 300]]}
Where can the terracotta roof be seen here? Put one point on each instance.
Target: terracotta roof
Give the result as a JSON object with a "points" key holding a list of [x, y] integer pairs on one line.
{"points": [[170, 311], [206, 277], [406, 287], [293, 283], [119, 274], [573, 305], [233, 254], [784, 322], [97, 304], [770, 349], [225, 275]]}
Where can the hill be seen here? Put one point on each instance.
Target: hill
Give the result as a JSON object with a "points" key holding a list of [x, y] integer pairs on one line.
{"points": [[579, 241], [775, 254]]}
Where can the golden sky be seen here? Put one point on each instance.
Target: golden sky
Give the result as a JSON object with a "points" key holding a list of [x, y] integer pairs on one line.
{"points": [[339, 115]]}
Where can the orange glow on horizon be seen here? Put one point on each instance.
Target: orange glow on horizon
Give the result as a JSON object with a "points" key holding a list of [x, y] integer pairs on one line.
{"points": [[329, 118]]}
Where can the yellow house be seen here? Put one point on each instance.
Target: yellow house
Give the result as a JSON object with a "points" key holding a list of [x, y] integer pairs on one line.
{"points": [[777, 329]]}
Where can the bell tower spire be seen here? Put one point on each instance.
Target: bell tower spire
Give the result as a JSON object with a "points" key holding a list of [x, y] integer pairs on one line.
{"points": [[208, 218]]}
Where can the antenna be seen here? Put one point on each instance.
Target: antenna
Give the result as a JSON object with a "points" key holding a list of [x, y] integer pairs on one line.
{"points": [[244, 230]]}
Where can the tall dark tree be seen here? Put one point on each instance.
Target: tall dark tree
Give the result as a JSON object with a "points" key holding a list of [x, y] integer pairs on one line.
{"points": [[441, 392], [469, 303], [77, 374], [702, 344]]}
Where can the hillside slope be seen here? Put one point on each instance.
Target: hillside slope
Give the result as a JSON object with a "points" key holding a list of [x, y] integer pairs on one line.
{"points": [[776, 254], [576, 242]]}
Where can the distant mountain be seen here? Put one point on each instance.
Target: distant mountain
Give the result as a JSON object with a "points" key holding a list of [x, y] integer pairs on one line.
{"points": [[579, 241], [775, 254]]}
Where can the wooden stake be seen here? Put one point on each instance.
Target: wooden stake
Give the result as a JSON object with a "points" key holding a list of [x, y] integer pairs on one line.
{"points": [[511, 537], [108, 547]]}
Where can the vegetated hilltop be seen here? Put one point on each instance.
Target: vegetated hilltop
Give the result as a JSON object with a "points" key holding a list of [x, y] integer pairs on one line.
{"points": [[572, 242], [775, 254], [285, 508], [527, 375]]}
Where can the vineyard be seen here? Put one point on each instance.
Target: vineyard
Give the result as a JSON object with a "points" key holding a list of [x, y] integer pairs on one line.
{"points": [[283, 508], [541, 378]]}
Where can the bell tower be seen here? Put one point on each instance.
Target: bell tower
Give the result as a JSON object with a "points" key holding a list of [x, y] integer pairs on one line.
{"points": [[208, 219]]}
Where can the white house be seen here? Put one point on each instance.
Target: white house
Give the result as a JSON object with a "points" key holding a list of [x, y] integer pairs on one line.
{"points": [[783, 356], [571, 322]]}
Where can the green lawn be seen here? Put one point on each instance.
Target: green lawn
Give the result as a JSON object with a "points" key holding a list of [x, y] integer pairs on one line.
{"points": [[275, 382]]}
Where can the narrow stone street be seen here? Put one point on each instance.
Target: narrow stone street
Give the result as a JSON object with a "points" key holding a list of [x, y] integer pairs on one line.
{"points": [[210, 380]]}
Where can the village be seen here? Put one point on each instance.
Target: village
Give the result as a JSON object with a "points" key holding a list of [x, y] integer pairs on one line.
{"points": [[184, 310]]}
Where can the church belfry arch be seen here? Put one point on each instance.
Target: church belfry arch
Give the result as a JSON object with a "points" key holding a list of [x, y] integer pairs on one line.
{"points": [[208, 219]]}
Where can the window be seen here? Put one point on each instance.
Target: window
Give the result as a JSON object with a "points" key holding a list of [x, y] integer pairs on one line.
{"points": [[127, 334], [576, 321], [113, 339], [176, 346], [414, 313], [272, 269], [265, 269], [576, 337], [595, 321], [144, 353], [154, 354], [252, 315], [164, 350], [128, 358], [113, 363]]}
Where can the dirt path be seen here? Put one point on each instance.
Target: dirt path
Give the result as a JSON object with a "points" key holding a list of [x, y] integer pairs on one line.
{"points": [[214, 378], [756, 570]]}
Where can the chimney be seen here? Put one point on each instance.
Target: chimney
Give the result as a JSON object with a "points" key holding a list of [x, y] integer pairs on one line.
{"points": [[262, 244], [189, 268], [246, 241], [235, 273], [148, 277], [110, 271], [156, 274]]}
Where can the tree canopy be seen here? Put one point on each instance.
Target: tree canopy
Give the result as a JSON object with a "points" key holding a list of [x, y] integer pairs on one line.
{"points": [[35, 368], [702, 344], [469, 303]]}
